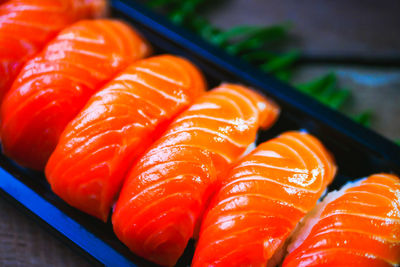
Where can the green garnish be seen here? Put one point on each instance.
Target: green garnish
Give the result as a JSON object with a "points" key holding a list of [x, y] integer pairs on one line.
{"points": [[364, 118], [258, 45]]}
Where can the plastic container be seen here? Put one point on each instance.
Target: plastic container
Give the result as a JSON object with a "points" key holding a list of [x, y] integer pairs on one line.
{"points": [[358, 150]]}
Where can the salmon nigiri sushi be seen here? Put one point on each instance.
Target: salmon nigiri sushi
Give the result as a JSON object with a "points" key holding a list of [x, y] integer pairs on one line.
{"points": [[119, 122], [356, 226], [27, 25], [261, 201], [164, 195], [55, 85]]}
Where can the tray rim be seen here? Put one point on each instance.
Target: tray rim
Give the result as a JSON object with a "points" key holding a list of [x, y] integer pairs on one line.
{"points": [[55, 221], [259, 80]]}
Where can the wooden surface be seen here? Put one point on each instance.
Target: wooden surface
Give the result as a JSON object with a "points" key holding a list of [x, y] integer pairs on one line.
{"points": [[25, 243], [373, 88], [365, 28]]}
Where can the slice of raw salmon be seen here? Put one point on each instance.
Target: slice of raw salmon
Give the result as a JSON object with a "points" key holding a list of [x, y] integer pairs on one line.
{"points": [[359, 227], [261, 201], [55, 85], [26, 26], [167, 191], [119, 122]]}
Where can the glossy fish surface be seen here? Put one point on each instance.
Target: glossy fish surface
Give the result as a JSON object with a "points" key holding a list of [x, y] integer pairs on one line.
{"points": [[26, 26], [359, 228], [165, 194], [119, 122], [55, 85], [262, 199]]}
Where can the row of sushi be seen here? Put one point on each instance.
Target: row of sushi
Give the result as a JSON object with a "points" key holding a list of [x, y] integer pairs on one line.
{"points": [[81, 100]]}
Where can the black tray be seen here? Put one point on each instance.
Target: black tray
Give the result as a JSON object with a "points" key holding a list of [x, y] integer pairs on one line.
{"points": [[358, 151]]}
